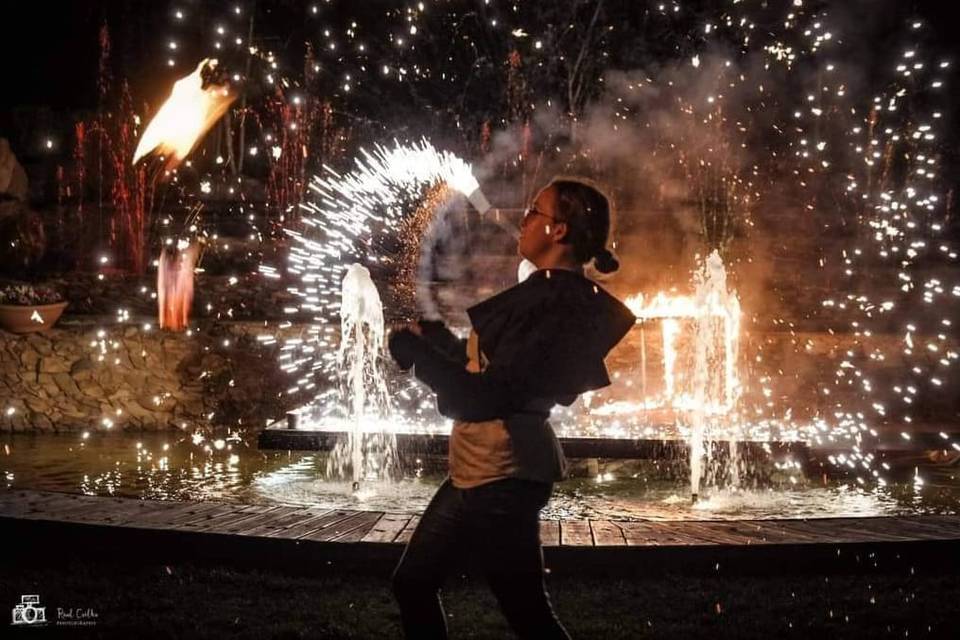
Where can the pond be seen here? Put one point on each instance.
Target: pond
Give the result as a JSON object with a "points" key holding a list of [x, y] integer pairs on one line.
{"points": [[175, 466]]}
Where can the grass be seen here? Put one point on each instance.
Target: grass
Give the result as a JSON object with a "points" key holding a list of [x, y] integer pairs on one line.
{"points": [[185, 601]]}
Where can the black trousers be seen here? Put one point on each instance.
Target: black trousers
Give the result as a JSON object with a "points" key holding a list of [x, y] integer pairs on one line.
{"points": [[498, 526]]}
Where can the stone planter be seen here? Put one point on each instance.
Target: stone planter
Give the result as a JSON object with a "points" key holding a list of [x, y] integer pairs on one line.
{"points": [[23, 318]]}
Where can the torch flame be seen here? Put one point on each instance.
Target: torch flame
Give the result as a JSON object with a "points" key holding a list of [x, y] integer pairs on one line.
{"points": [[175, 285], [185, 117]]}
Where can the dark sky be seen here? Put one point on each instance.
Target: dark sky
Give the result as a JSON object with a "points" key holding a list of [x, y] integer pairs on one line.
{"points": [[51, 70], [54, 62]]}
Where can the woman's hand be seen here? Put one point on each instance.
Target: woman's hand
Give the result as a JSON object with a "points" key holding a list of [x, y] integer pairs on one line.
{"points": [[412, 327], [404, 341]]}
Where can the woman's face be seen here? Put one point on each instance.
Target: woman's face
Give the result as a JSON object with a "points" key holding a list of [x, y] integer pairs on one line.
{"points": [[539, 227]]}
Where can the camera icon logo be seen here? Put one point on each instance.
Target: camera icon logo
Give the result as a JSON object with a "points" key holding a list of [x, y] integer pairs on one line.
{"points": [[29, 611]]}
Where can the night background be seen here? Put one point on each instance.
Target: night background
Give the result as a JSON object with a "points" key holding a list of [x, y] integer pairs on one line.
{"points": [[783, 176]]}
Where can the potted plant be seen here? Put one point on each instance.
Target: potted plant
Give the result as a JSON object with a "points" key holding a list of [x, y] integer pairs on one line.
{"points": [[27, 307]]}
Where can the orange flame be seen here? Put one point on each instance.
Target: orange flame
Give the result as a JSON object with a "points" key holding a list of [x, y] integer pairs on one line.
{"points": [[175, 286], [185, 117], [669, 310]]}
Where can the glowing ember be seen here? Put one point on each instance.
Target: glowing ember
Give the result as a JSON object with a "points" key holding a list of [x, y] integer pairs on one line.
{"points": [[185, 117]]}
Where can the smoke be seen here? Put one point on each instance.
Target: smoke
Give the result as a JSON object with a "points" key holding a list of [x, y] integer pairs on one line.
{"points": [[671, 145], [744, 148]]}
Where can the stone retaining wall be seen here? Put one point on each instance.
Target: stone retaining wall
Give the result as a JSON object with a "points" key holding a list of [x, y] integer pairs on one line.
{"points": [[93, 372], [99, 374]]}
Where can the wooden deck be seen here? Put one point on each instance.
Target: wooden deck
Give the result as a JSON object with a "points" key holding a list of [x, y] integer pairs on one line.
{"points": [[327, 533]]}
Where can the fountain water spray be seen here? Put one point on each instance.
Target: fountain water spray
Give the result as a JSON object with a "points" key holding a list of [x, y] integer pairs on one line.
{"points": [[369, 453], [715, 338]]}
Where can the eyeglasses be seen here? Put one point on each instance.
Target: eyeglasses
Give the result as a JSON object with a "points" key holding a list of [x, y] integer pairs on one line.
{"points": [[531, 211]]}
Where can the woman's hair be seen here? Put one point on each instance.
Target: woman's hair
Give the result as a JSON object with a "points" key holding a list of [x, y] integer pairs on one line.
{"points": [[586, 211]]}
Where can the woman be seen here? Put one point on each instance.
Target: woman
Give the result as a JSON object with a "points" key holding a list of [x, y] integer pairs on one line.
{"points": [[533, 346]]}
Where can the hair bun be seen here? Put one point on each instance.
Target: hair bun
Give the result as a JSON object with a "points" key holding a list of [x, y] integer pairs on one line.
{"points": [[604, 261]]}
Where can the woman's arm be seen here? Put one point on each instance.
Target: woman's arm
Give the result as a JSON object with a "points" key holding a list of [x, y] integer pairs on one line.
{"points": [[444, 340], [461, 395]]}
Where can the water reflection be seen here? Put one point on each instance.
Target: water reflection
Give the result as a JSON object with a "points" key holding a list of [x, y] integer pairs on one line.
{"points": [[182, 467]]}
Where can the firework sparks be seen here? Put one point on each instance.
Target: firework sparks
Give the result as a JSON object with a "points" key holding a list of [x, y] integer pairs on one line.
{"points": [[348, 218], [825, 136]]}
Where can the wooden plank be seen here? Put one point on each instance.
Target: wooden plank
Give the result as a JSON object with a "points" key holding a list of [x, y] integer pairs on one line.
{"points": [[607, 534], [275, 524], [173, 518], [48, 496], [59, 504], [362, 527], [575, 533], [231, 523], [239, 527], [39, 506], [795, 532], [97, 509], [639, 534], [408, 530], [878, 530], [56, 511], [387, 527], [11, 501], [114, 513], [197, 509], [828, 530], [691, 534], [301, 527], [931, 527], [757, 532], [655, 534], [149, 509], [340, 527], [714, 533], [31, 496], [204, 516], [325, 520], [550, 533]]}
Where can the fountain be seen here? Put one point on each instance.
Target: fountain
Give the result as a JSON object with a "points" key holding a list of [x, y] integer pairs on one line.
{"points": [[698, 390], [366, 448], [700, 384], [714, 363]]}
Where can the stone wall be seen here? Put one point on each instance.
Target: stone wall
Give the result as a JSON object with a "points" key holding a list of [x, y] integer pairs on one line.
{"points": [[88, 373], [94, 373]]}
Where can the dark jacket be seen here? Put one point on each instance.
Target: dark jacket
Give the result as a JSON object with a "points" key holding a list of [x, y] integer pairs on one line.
{"points": [[545, 340]]}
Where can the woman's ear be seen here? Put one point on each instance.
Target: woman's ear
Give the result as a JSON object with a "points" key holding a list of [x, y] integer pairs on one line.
{"points": [[559, 231]]}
